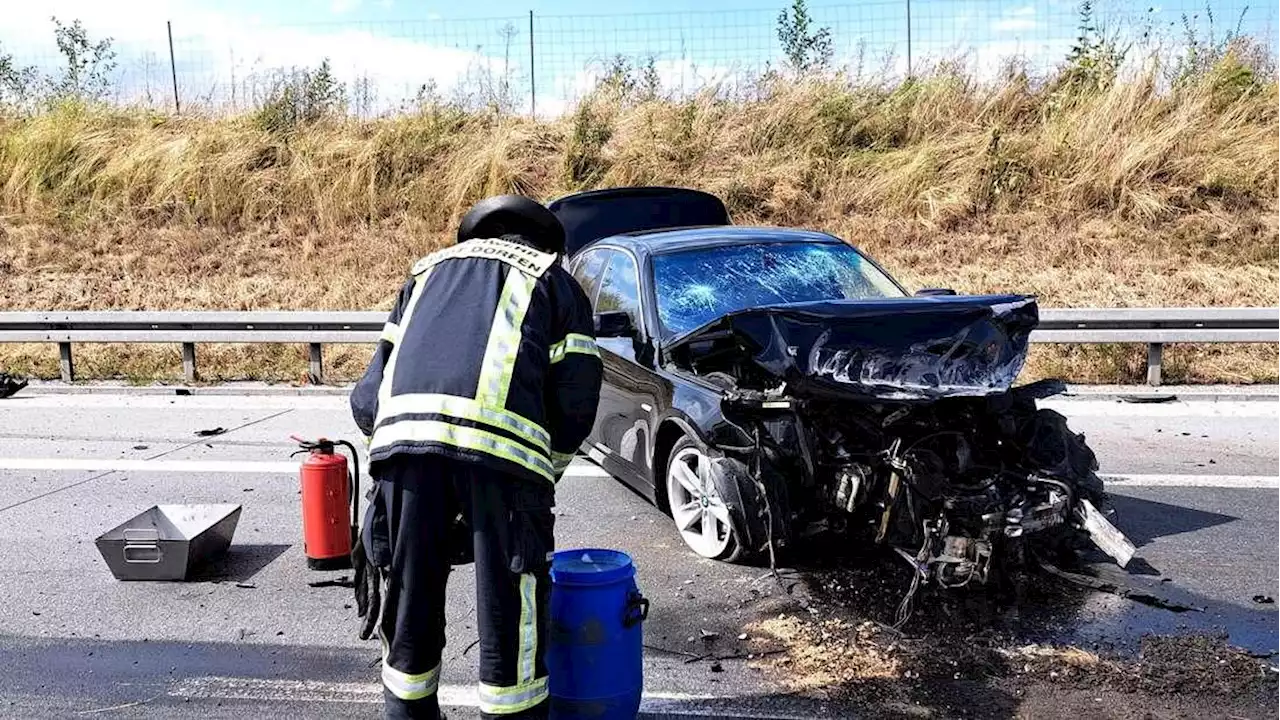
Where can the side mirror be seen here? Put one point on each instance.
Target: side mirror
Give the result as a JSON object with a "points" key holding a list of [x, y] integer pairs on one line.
{"points": [[930, 292], [613, 324]]}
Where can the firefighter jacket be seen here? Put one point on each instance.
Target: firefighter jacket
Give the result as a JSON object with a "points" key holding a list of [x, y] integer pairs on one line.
{"points": [[488, 356]]}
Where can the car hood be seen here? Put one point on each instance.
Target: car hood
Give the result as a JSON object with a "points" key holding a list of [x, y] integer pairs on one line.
{"points": [[918, 348]]}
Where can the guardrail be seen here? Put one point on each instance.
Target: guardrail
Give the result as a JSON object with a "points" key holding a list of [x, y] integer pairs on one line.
{"points": [[1155, 327]]}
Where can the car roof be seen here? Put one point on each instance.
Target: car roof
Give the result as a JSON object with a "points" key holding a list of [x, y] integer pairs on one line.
{"points": [[656, 242]]}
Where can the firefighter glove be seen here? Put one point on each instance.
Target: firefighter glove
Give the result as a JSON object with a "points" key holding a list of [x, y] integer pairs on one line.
{"points": [[368, 589]]}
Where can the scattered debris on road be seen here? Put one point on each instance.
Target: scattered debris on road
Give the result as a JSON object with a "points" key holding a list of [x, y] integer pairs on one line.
{"points": [[1148, 398], [343, 582], [1117, 586]]}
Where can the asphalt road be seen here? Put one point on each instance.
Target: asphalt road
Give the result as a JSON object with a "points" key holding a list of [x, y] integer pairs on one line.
{"points": [[1195, 485]]}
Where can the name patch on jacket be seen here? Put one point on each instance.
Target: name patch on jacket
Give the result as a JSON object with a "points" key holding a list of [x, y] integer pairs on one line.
{"points": [[524, 258]]}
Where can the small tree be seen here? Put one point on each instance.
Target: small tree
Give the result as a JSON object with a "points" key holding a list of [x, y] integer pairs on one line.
{"points": [[1095, 58], [89, 64], [650, 80], [806, 49], [1204, 50], [301, 96], [17, 83]]}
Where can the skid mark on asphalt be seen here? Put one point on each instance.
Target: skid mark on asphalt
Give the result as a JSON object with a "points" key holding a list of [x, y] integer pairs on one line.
{"points": [[156, 456]]}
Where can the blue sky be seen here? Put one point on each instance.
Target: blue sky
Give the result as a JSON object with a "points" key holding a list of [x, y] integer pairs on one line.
{"points": [[226, 49]]}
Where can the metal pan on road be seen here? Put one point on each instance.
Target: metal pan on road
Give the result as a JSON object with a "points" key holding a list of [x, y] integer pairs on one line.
{"points": [[168, 542]]}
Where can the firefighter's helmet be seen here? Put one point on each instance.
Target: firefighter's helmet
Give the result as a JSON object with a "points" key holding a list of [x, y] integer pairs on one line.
{"points": [[513, 215]]}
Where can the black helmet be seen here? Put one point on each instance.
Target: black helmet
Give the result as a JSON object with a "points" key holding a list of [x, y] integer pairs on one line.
{"points": [[513, 215]]}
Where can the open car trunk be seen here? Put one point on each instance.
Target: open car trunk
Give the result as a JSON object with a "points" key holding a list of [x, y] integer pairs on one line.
{"points": [[895, 422], [589, 216]]}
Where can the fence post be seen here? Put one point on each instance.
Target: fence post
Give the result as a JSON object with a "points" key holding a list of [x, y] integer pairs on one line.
{"points": [[173, 69], [64, 361], [189, 362], [908, 38], [1155, 354], [316, 362], [533, 84]]}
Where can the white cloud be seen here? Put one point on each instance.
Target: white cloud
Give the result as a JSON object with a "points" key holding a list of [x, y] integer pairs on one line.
{"points": [[1014, 25], [676, 77], [342, 7], [222, 56], [1017, 19]]}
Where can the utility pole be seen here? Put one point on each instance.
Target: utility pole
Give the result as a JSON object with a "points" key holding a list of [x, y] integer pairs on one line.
{"points": [[533, 85], [173, 69], [908, 38]]}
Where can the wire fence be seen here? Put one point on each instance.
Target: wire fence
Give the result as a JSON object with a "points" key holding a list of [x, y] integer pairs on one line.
{"points": [[542, 63]]}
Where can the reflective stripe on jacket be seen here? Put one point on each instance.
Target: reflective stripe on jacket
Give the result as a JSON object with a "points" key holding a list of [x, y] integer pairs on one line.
{"points": [[488, 356]]}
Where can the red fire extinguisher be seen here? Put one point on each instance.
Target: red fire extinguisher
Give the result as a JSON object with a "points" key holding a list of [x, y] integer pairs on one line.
{"points": [[327, 492]]}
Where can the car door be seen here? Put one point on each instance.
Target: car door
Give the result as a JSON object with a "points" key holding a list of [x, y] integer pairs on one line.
{"points": [[624, 424], [587, 268]]}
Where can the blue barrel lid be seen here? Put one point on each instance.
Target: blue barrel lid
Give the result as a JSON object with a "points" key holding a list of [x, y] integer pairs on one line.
{"points": [[591, 566]]}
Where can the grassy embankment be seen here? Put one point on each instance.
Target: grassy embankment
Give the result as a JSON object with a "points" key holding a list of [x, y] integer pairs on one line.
{"points": [[1117, 195]]}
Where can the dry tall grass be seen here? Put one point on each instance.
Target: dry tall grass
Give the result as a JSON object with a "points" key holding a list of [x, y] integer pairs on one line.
{"points": [[1128, 195]]}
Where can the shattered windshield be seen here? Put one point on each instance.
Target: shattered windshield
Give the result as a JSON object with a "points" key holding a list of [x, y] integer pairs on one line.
{"points": [[694, 287]]}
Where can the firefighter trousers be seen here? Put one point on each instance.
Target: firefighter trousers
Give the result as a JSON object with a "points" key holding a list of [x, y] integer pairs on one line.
{"points": [[507, 529]]}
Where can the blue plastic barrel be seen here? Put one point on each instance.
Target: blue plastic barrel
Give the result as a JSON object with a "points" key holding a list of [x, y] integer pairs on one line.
{"points": [[595, 655]]}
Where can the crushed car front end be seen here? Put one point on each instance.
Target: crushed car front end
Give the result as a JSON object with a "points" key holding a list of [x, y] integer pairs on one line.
{"points": [[895, 422]]}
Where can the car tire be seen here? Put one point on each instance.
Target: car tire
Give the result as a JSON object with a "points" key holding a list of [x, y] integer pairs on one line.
{"points": [[701, 516]]}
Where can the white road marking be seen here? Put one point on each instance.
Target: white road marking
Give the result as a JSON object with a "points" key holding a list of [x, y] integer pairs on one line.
{"points": [[1177, 408], [453, 696], [258, 467], [168, 466], [178, 402], [578, 469], [1198, 481]]}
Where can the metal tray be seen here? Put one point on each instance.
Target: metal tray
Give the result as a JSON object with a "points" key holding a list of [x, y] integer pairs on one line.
{"points": [[167, 542]]}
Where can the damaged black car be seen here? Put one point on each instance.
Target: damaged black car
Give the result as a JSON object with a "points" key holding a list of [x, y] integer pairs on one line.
{"points": [[763, 385]]}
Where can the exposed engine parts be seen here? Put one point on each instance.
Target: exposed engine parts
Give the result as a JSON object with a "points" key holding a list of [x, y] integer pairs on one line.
{"points": [[896, 424], [957, 487]]}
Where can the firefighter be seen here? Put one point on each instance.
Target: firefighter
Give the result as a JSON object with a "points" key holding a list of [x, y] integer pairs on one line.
{"points": [[484, 383]]}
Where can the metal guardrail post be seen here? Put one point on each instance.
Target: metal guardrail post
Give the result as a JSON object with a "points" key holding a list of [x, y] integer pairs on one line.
{"points": [[189, 362], [64, 360], [1155, 355], [316, 362]]}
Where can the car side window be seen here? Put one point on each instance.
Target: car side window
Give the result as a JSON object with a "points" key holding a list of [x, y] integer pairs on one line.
{"points": [[618, 290], [586, 270]]}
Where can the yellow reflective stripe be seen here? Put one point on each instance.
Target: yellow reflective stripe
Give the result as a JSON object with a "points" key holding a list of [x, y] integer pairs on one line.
{"points": [[462, 437], [560, 461], [404, 685], [522, 257], [389, 372], [504, 339], [410, 687], [574, 343], [466, 408], [585, 344], [508, 700], [390, 333], [528, 629]]}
